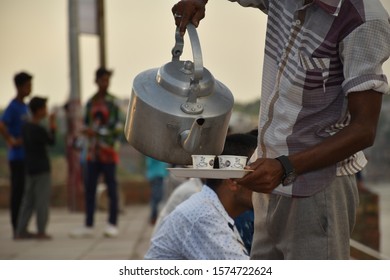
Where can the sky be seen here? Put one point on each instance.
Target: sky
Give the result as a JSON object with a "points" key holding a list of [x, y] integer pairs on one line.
{"points": [[140, 36]]}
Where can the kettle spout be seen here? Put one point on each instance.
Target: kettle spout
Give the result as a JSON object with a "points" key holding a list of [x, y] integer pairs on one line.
{"points": [[190, 139]]}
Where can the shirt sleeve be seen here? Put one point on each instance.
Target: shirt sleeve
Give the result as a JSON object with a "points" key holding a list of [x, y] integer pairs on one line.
{"points": [[167, 241], [203, 239], [87, 119], [115, 125], [51, 136], [210, 239], [363, 53]]}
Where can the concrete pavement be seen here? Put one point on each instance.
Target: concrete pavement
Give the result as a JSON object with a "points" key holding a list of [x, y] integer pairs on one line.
{"points": [[383, 190], [131, 244]]}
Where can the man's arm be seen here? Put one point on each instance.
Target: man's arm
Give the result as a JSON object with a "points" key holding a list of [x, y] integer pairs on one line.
{"points": [[193, 11], [87, 125], [364, 108], [52, 129], [11, 141]]}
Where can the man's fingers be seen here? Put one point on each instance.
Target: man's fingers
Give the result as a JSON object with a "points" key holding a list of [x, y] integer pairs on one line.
{"points": [[185, 19], [197, 17], [186, 12]]}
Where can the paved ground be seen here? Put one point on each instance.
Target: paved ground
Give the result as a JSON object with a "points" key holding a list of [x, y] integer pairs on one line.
{"points": [[383, 190], [132, 243]]}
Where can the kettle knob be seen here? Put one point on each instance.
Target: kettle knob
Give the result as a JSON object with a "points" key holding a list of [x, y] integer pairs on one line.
{"points": [[188, 67]]}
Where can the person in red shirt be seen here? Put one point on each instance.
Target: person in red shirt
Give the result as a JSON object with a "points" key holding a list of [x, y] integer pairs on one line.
{"points": [[102, 129]]}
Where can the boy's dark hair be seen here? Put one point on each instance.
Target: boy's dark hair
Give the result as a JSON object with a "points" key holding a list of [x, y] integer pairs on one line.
{"points": [[22, 78], [37, 103], [237, 145], [101, 72]]}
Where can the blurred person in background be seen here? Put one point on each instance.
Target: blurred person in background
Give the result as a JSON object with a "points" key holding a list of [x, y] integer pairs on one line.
{"points": [[156, 172], [103, 130], [11, 123], [36, 198]]}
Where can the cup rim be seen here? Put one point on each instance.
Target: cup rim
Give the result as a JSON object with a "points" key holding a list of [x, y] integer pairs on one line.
{"points": [[222, 156], [202, 155]]}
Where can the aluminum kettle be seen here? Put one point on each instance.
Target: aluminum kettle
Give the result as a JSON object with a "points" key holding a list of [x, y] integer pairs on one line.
{"points": [[179, 109]]}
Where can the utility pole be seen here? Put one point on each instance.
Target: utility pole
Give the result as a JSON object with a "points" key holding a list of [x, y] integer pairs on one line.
{"points": [[101, 32], [85, 16], [73, 114]]}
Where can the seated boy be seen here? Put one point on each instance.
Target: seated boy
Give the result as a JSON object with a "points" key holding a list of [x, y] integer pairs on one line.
{"points": [[202, 227]]}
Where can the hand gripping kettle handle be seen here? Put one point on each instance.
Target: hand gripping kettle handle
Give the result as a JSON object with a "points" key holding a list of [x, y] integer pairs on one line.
{"points": [[196, 50]]}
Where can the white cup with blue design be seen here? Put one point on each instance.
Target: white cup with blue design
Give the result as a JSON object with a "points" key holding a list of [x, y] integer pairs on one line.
{"points": [[203, 161], [232, 162]]}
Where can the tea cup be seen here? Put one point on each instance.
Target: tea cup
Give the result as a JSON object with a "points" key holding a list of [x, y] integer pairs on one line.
{"points": [[232, 162], [203, 161]]}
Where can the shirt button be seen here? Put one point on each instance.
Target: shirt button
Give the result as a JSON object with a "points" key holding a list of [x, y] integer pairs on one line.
{"points": [[298, 22]]}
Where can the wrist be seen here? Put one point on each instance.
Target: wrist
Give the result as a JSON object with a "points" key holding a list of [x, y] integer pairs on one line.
{"points": [[203, 2], [289, 173]]}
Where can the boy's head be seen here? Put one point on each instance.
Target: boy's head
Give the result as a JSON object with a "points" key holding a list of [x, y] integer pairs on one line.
{"points": [[37, 106], [240, 144], [23, 83], [239, 196], [102, 78]]}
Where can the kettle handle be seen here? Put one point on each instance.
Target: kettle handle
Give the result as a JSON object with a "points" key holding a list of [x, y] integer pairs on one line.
{"points": [[196, 50]]}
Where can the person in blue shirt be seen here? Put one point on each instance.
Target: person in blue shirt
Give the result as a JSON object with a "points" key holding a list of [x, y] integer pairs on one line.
{"points": [[10, 128], [156, 171]]}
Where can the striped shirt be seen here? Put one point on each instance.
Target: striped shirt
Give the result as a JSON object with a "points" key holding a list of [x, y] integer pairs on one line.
{"points": [[317, 52]]}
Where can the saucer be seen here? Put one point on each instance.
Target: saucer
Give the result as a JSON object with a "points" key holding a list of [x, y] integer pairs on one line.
{"points": [[209, 173]]}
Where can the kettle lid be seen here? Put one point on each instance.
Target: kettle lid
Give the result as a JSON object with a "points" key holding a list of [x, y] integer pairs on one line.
{"points": [[178, 77]]}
